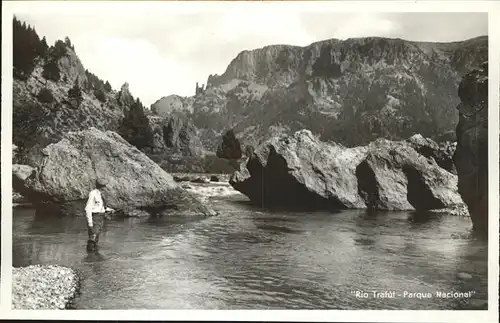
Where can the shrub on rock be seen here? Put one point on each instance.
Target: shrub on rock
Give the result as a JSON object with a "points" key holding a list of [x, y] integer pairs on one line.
{"points": [[99, 94], [45, 96], [51, 71]]}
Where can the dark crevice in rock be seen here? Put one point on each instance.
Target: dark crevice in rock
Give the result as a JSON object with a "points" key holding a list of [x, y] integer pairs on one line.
{"points": [[419, 194], [367, 185], [274, 187]]}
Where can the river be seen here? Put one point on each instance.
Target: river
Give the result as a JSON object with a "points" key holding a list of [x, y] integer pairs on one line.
{"points": [[251, 258]]}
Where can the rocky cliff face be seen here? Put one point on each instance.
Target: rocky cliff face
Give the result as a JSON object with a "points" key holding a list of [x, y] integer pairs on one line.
{"points": [[471, 155], [175, 135], [44, 112], [351, 91]]}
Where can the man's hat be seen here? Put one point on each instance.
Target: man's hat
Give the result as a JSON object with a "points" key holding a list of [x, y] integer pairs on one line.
{"points": [[101, 182]]}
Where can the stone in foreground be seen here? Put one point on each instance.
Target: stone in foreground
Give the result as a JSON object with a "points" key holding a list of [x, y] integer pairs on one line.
{"points": [[43, 287], [71, 167], [300, 171]]}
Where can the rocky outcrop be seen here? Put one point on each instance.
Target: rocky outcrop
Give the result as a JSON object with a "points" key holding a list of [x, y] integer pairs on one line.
{"points": [[471, 155], [20, 173], [172, 104], [302, 171], [176, 135], [350, 91], [199, 89], [37, 123], [230, 147], [71, 167], [124, 97], [177, 144], [442, 153]]}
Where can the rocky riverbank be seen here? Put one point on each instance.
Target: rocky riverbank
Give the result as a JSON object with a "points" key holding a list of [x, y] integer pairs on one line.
{"points": [[43, 287]]}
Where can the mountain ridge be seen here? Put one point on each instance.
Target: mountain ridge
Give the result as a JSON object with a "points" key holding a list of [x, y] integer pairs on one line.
{"points": [[412, 85]]}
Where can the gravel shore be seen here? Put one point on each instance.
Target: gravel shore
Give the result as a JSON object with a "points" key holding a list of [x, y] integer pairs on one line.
{"points": [[43, 287]]}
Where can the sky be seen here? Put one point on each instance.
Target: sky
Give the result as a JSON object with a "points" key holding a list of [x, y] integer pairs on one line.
{"points": [[160, 51]]}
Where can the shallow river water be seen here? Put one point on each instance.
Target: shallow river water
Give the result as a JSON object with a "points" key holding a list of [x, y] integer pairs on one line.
{"points": [[250, 258]]}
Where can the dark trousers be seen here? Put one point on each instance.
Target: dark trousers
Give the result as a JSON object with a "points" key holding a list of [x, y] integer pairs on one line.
{"points": [[97, 225]]}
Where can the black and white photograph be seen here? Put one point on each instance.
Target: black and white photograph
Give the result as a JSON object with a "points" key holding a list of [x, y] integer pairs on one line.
{"points": [[237, 157]]}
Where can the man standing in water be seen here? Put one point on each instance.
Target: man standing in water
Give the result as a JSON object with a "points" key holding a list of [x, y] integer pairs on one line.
{"points": [[95, 211]]}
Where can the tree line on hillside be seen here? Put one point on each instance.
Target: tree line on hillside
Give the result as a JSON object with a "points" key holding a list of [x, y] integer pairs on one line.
{"points": [[28, 51], [27, 47]]}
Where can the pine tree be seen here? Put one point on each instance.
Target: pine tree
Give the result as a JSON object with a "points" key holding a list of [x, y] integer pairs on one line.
{"points": [[107, 87], [27, 47], [135, 127], [76, 93], [59, 50], [43, 47], [26, 120], [99, 94]]}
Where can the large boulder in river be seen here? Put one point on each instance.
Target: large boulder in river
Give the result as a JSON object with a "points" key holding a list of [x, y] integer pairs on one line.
{"points": [[71, 166], [471, 155], [301, 171], [394, 176]]}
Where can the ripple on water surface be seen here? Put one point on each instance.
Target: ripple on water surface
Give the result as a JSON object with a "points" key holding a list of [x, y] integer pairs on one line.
{"points": [[249, 258]]}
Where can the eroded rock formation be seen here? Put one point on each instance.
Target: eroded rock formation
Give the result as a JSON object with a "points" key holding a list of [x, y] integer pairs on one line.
{"points": [[302, 171]]}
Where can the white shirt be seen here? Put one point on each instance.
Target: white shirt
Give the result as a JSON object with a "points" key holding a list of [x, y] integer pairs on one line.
{"points": [[95, 204]]}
